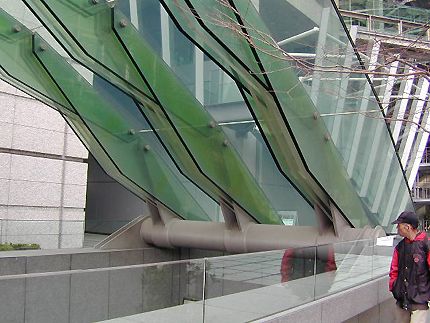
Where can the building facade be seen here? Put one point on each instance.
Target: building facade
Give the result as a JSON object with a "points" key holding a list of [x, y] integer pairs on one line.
{"points": [[273, 184]]}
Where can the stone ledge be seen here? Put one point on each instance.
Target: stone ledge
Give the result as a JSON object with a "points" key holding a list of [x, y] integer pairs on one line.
{"points": [[339, 307]]}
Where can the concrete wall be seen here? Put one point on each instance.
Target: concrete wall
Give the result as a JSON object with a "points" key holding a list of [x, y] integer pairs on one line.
{"points": [[76, 293], [41, 261], [109, 205], [43, 173]]}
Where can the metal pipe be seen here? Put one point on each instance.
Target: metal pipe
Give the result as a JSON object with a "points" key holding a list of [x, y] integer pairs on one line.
{"points": [[255, 237], [298, 36]]}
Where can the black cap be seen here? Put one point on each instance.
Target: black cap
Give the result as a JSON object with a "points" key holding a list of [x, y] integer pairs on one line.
{"points": [[407, 217]]}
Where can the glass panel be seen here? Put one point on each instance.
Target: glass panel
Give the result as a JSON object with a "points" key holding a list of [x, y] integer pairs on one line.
{"points": [[348, 107], [100, 154], [328, 53], [343, 265], [315, 143], [209, 145], [167, 188], [234, 288], [271, 124], [241, 130], [182, 59], [219, 87], [18, 62], [303, 143], [123, 132], [221, 164], [270, 282], [22, 69], [310, 133], [89, 23], [214, 18]]}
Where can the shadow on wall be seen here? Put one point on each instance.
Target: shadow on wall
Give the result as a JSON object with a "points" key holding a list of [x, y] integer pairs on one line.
{"points": [[109, 205]]}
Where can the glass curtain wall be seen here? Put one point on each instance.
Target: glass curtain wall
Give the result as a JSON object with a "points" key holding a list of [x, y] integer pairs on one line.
{"points": [[242, 105]]}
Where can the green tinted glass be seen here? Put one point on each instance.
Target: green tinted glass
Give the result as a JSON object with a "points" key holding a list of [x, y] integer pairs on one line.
{"points": [[123, 133], [89, 23], [208, 144], [309, 134], [346, 104], [95, 117], [216, 158], [283, 78], [225, 104]]}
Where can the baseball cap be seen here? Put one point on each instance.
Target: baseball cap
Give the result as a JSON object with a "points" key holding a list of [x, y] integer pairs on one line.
{"points": [[407, 217]]}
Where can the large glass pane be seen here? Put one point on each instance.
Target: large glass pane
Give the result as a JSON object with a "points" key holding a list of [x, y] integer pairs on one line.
{"points": [[315, 143], [20, 68], [18, 62], [310, 134], [346, 102], [231, 113], [343, 265], [270, 282], [123, 131], [213, 154], [102, 122], [269, 123], [90, 24], [320, 43], [208, 144]]}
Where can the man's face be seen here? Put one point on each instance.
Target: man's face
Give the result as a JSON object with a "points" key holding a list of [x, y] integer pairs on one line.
{"points": [[403, 229]]}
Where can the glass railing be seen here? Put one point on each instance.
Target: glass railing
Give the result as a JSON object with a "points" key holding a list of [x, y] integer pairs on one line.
{"points": [[237, 288], [421, 193], [387, 26], [383, 8]]}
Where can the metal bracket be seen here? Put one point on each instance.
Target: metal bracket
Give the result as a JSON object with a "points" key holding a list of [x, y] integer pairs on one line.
{"points": [[340, 225], [235, 217], [159, 214]]}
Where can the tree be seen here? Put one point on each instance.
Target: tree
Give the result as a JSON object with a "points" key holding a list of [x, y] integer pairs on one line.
{"points": [[385, 57]]}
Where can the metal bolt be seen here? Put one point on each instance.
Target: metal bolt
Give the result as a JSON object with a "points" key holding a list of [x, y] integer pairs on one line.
{"points": [[225, 143], [95, 1], [42, 47], [123, 23], [327, 137], [132, 132], [16, 28], [212, 124], [146, 147], [315, 115]]}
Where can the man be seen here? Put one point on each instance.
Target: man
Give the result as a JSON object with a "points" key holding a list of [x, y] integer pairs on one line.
{"points": [[409, 272]]}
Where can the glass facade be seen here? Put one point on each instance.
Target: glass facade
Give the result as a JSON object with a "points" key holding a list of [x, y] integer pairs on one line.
{"points": [[195, 103]]}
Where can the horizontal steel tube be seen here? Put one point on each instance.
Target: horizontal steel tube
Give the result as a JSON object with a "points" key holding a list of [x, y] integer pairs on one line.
{"points": [[255, 237]]}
